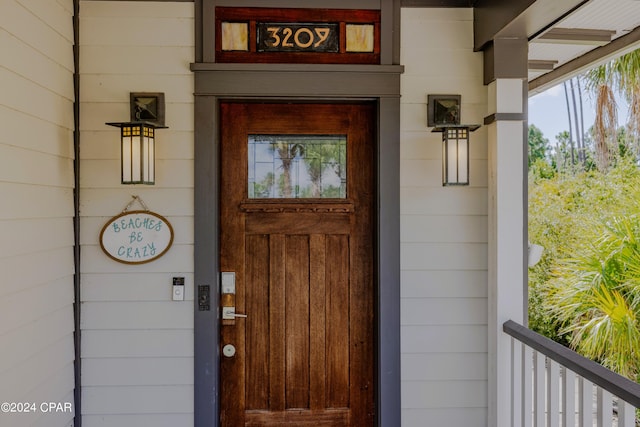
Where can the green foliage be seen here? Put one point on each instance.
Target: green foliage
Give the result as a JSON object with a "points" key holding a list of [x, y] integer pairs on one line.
{"points": [[541, 169], [538, 145], [586, 289], [595, 295]]}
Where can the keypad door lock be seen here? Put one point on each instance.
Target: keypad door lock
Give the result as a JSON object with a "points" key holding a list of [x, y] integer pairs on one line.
{"points": [[228, 298]]}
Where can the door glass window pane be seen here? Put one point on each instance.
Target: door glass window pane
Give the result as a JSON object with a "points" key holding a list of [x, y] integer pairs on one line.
{"points": [[297, 166]]}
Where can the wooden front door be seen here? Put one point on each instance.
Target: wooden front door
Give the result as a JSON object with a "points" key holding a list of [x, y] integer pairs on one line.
{"points": [[296, 226]]}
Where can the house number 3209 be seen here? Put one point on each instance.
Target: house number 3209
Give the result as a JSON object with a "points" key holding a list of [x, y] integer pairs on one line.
{"points": [[302, 37]]}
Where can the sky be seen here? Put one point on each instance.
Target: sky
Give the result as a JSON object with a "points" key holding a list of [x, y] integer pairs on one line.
{"points": [[548, 112]]}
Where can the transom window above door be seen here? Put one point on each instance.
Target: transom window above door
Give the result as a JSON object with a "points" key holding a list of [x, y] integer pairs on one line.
{"points": [[297, 166]]}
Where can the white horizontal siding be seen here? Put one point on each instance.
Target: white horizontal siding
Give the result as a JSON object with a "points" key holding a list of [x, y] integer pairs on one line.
{"points": [[99, 31], [128, 287], [137, 344], [444, 311], [61, 379], [110, 202], [36, 217], [46, 29], [29, 63], [18, 165], [169, 173], [467, 417], [443, 201], [23, 234], [52, 328], [444, 284], [444, 256], [20, 129], [137, 400], [137, 420], [443, 339], [161, 371], [50, 106], [157, 315], [138, 59], [109, 87], [19, 274], [13, 314], [443, 229], [56, 15], [28, 374], [444, 366], [444, 394], [29, 201]]}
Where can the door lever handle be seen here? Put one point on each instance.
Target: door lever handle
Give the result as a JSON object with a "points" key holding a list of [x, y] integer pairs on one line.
{"points": [[229, 313]]}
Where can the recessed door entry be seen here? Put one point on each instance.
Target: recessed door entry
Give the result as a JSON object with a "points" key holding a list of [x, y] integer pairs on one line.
{"points": [[296, 226]]}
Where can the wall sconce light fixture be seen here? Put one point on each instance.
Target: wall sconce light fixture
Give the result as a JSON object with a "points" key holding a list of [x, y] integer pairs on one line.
{"points": [[137, 140], [443, 114], [455, 153]]}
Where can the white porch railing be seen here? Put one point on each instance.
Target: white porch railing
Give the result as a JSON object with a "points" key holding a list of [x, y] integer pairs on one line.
{"points": [[553, 386]]}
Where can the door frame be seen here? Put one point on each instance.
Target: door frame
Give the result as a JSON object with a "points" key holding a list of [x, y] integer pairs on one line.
{"points": [[376, 83]]}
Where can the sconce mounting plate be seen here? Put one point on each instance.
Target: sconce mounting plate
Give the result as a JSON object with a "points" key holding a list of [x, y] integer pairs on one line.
{"points": [[443, 110], [147, 107]]}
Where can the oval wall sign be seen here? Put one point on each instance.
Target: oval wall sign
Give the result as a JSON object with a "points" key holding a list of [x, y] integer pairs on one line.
{"points": [[136, 237]]}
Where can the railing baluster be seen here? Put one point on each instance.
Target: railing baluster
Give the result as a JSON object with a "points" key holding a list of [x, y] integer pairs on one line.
{"points": [[517, 375], [527, 386], [605, 408], [626, 414], [568, 398], [538, 363], [539, 389], [585, 405], [553, 393]]}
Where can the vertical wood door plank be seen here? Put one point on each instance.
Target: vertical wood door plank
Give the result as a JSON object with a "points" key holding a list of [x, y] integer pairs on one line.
{"points": [[232, 378], [297, 322], [318, 320], [277, 322], [361, 267], [257, 321], [338, 321]]}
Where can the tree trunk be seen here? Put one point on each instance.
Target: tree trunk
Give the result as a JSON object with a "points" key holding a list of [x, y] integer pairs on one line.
{"points": [[566, 96]]}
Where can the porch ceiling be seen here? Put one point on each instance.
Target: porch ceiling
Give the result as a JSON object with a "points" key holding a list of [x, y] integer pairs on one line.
{"points": [[589, 35], [566, 37]]}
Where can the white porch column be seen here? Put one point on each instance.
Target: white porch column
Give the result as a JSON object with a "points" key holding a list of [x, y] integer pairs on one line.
{"points": [[506, 125]]}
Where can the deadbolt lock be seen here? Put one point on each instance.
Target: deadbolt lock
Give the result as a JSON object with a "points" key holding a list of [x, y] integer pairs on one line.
{"points": [[228, 297]]}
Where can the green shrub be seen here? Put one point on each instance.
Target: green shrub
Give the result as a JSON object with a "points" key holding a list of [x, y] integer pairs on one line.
{"points": [[572, 216]]}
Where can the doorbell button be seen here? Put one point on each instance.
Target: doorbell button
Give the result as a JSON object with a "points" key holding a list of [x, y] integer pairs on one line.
{"points": [[229, 350]]}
